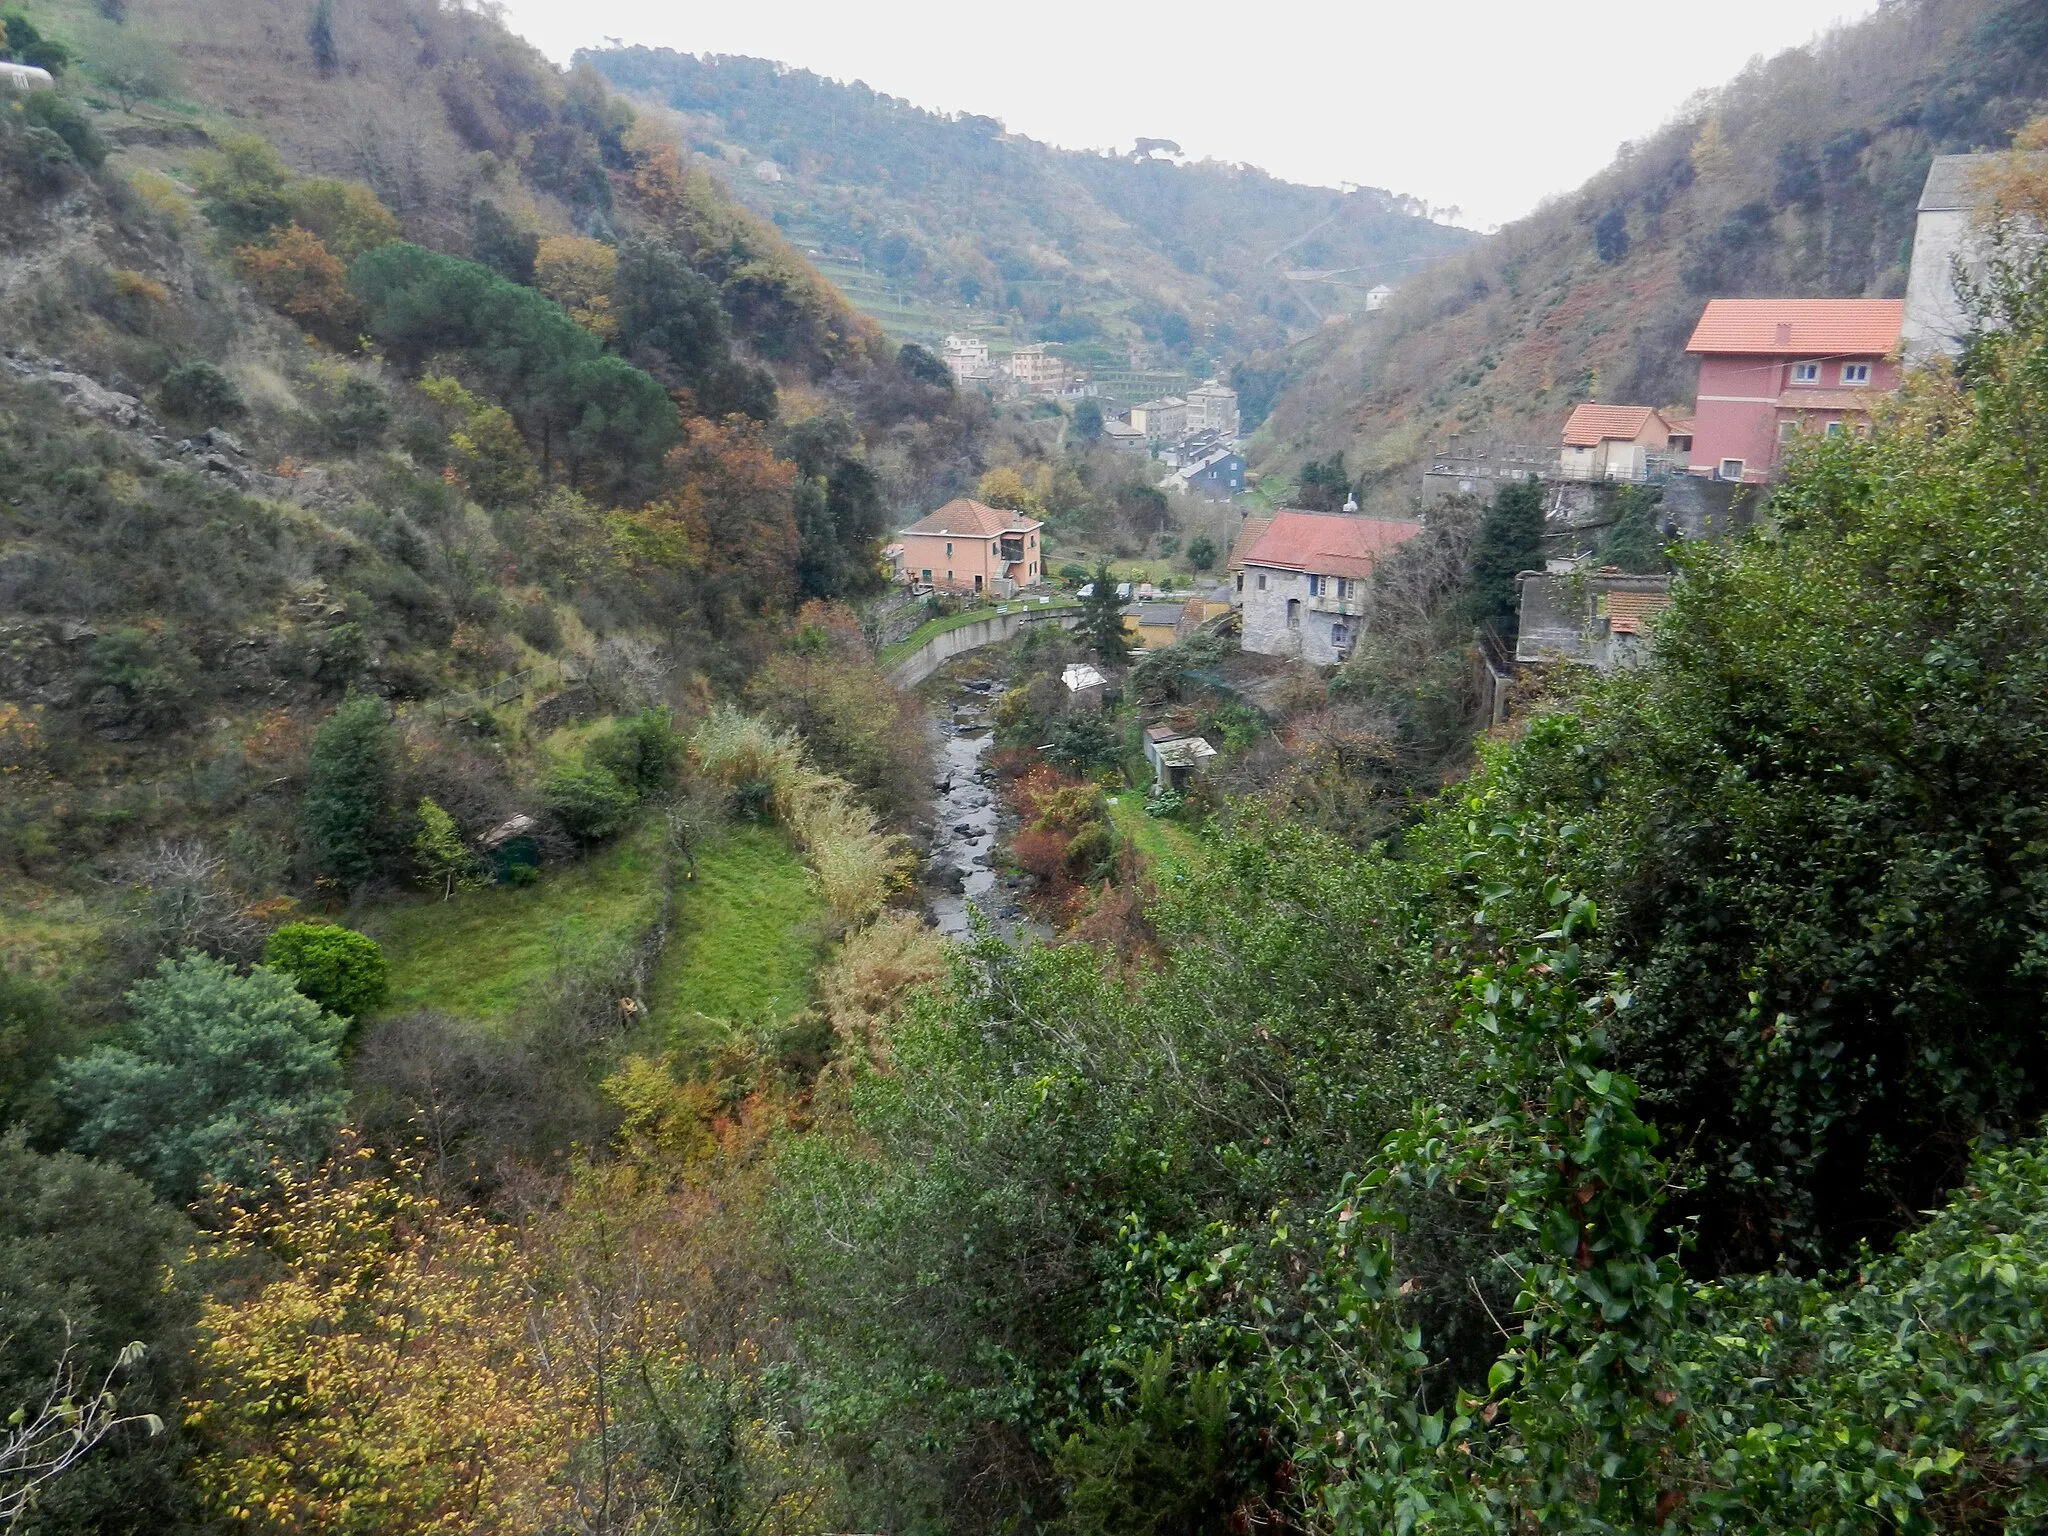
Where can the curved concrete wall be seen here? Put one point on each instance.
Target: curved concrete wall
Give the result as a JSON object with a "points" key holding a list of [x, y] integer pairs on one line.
{"points": [[993, 630]]}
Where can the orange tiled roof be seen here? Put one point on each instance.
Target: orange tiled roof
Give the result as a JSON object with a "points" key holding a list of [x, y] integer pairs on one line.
{"points": [[1589, 425], [973, 520], [1253, 530], [1779, 327], [1329, 544], [1626, 611]]}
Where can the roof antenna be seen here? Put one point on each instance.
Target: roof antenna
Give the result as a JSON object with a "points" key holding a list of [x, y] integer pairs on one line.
{"points": [[1351, 502]]}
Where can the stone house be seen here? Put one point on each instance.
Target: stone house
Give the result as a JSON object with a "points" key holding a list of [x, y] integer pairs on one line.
{"points": [[1306, 583], [1599, 619]]}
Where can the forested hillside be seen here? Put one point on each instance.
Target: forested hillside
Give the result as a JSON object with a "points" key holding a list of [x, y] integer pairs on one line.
{"points": [[1182, 264], [1797, 178]]}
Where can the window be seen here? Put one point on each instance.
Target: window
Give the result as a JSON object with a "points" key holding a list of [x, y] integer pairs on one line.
{"points": [[1240, 581], [1262, 581], [926, 574], [1855, 373], [949, 548], [1031, 540], [1731, 469], [1315, 586], [1339, 634], [949, 575], [1787, 429], [1806, 373], [1343, 591], [1834, 429], [1294, 613]]}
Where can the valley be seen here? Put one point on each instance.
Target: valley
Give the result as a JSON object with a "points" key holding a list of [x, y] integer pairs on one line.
{"points": [[726, 807]]}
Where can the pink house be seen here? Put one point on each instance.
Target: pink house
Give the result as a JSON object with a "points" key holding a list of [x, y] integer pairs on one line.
{"points": [[1772, 368], [966, 547]]}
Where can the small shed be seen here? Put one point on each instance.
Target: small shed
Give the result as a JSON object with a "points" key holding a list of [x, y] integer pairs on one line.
{"points": [[1084, 686], [1174, 756], [1153, 623]]}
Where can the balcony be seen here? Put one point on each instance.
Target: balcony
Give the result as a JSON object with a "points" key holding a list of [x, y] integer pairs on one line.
{"points": [[1351, 605]]}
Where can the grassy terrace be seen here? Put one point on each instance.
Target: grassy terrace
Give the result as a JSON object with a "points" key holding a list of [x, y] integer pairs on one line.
{"points": [[482, 954], [891, 654], [1166, 847], [748, 936]]}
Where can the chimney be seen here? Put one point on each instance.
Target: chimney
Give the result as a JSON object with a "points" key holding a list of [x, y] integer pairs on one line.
{"points": [[1784, 333]]}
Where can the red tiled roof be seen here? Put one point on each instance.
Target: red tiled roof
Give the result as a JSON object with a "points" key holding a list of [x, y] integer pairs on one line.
{"points": [[1626, 611], [1802, 327], [1680, 426], [972, 519], [1589, 425], [1329, 544], [1253, 530]]}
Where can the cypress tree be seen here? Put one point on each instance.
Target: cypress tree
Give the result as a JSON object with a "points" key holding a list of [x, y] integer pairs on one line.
{"points": [[349, 791], [1102, 619], [1510, 540]]}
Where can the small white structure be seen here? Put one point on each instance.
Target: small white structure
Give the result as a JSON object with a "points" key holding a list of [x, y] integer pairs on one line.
{"points": [[1084, 685], [23, 78], [1376, 297], [1175, 756], [768, 171]]}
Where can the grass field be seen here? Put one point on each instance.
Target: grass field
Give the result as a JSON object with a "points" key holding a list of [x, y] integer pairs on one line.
{"points": [[482, 954], [747, 938], [1166, 846]]}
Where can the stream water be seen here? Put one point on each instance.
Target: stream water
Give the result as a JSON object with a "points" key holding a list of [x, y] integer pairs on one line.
{"points": [[961, 871]]}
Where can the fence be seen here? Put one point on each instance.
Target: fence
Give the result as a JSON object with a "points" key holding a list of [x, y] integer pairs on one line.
{"points": [[501, 692]]}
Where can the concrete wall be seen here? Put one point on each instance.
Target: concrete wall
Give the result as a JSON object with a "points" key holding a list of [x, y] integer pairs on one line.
{"points": [[993, 630], [1934, 311]]}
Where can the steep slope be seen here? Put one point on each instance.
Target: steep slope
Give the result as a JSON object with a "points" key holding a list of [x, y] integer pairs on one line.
{"points": [[947, 220], [1799, 178]]}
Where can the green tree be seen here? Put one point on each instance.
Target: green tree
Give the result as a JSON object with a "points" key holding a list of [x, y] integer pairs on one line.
{"points": [[441, 859], [33, 1033], [320, 37], [341, 970], [1087, 426], [351, 779], [199, 391], [590, 803], [1201, 552], [92, 1263], [641, 751], [1102, 619], [1510, 541], [220, 1074], [22, 43], [1633, 542]]}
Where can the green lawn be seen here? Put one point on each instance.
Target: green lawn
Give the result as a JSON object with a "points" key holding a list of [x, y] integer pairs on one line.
{"points": [[746, 940], [482, 954], [1165, 846]]}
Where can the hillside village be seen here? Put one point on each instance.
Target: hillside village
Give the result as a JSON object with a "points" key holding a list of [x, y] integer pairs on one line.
{"points": [[727, 807]]}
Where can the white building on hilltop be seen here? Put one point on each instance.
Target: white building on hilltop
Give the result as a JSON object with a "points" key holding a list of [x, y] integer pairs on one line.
{"points": [[1376, 297], [966, 358]]}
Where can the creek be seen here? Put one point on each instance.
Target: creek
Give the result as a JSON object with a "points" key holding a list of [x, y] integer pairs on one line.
{"points": [[961, 870]]}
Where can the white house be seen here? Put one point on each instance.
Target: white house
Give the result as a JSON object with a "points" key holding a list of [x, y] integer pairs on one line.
{"points": [[966, 358], [1376, 297], [1306, 583], [1952, 201]]}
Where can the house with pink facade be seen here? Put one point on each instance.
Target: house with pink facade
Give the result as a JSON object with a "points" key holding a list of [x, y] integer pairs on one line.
{"points": [[966, 547], [1771, 369]]}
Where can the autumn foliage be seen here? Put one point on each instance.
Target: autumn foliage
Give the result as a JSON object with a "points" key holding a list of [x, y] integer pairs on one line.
{"points": [[386, 1377], [296, 275]]}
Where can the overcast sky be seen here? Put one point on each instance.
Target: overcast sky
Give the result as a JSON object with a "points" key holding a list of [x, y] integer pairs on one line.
{"points": [[1488, 106]]}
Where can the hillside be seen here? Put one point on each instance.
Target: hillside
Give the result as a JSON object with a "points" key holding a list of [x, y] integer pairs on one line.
{"points": [[936, 221], [1799, 177]]}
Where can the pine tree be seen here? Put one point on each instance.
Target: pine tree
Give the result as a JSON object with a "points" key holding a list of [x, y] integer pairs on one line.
{"points": [[1102, 619], [1510, 541], [349, 789], [320, 37]]}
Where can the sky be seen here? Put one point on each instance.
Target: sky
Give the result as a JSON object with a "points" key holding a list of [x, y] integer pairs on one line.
{"points": [[1483, 106]]}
